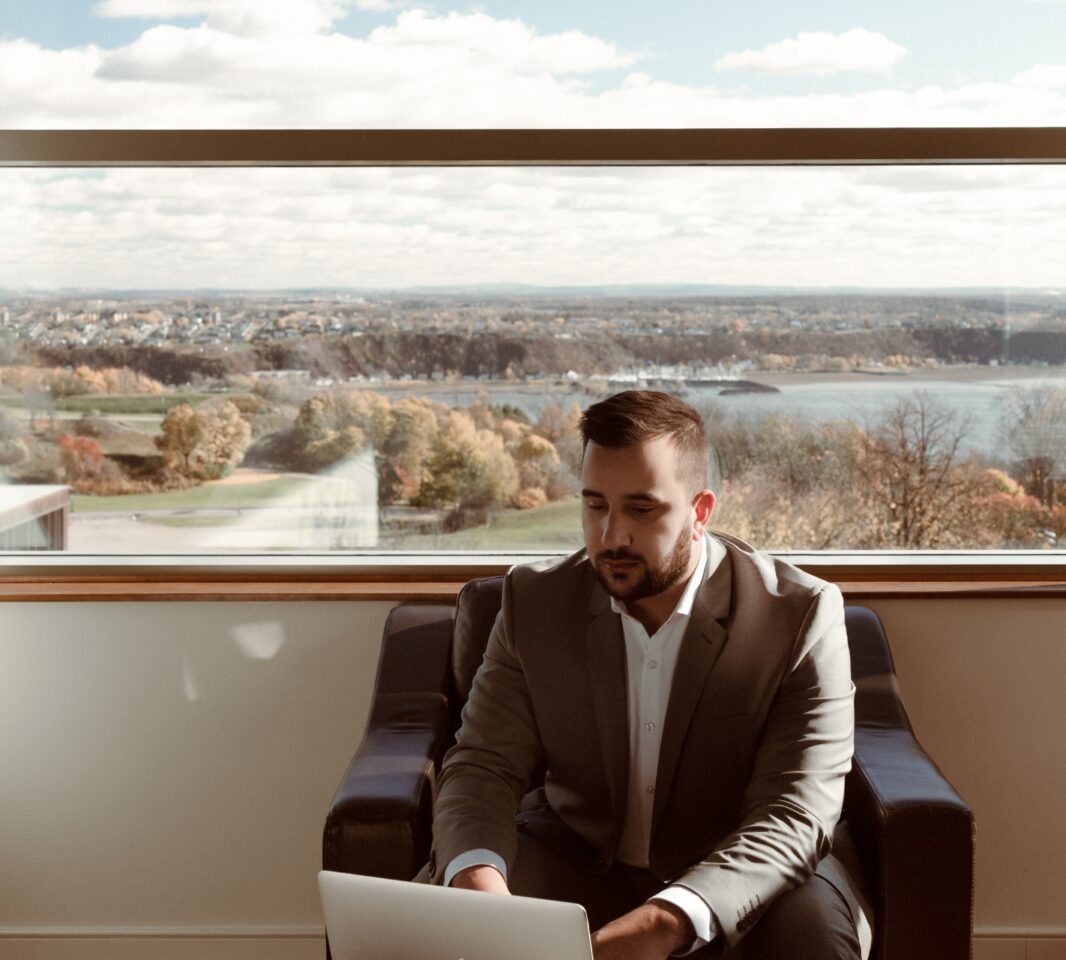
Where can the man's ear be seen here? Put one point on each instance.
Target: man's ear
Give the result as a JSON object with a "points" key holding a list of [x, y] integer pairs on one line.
{"points": [[703, 504]]}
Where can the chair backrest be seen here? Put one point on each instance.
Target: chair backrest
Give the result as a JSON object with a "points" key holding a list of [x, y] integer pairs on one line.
{"points": [[475, 613], [877, 701]]}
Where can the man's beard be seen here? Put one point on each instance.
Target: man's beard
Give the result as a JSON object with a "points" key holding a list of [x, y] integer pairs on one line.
{"points": [[656, 580]]}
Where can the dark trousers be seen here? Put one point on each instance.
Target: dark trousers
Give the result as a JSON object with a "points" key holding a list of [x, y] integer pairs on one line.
{"points": [[810, 922]]}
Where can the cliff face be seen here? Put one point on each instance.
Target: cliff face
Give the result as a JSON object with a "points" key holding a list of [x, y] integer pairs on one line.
{"points": [[499, 355]]}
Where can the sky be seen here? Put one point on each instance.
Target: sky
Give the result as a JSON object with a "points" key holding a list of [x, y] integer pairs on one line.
{"points": [[387, 63], [507, 63]]}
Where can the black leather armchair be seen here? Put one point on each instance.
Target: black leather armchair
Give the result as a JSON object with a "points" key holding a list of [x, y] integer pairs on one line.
{"points": [[913, 831]]}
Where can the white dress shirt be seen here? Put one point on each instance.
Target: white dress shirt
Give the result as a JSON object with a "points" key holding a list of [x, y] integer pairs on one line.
{"points": [[650, 663]]}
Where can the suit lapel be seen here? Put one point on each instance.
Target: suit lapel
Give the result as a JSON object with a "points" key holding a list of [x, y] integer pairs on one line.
{"points": [[704, 638], [605, 652]]}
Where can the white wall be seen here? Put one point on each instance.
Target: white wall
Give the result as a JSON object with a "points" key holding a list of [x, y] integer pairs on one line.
{"points": [[165, 768]]}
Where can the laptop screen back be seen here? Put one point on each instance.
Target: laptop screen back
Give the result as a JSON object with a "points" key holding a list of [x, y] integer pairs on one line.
{"points": [[368, 918]]}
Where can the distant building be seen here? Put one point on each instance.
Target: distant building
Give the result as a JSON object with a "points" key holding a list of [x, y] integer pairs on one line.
{"points": [[34, 517]]}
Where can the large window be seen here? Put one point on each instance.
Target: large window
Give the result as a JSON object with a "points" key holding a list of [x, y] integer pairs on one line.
{"points": [[394, 358], [364, 342]]}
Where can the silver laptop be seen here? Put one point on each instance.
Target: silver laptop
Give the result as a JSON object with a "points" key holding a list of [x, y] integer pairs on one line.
{"points": [[368, 918]]}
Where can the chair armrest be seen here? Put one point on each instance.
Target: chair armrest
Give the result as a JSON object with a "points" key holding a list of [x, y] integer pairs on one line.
{"points": [[916, 838], [380, 820]]}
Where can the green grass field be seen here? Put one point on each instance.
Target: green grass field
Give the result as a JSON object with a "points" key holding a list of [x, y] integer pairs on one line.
{"points": [[215, 496], [556, 526], [120, 403]]}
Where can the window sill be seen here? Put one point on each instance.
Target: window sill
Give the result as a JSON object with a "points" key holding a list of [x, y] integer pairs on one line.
{"points": [[433, 577]]}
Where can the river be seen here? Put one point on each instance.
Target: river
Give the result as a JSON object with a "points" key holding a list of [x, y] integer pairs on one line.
{"points": [[976, 392]]}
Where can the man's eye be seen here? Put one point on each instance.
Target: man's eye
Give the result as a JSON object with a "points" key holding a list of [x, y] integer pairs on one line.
{"points": [[640, 511], [596, 506]]}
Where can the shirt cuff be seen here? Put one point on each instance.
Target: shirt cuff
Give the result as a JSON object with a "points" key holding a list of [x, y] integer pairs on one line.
{"points": [[475, 858], [695, 908]]}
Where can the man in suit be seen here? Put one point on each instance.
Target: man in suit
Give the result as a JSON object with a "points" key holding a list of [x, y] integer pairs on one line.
{"points": [[689, 703]]}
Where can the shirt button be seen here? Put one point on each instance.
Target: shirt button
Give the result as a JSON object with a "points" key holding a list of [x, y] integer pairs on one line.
{"points": [[653, 664], [650, 788], [649, 727]]}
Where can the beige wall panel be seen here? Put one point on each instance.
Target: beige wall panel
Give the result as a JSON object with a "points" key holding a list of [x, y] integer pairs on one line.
{"points": [[180, 948], [999, 950], [170, 764], [165, 768], [984, 682]]}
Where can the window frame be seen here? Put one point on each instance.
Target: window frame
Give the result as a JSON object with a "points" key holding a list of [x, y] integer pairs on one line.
{"points": [[396, 577], [790, 146]]}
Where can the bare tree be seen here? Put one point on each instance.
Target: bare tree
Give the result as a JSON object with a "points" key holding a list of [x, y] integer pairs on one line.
{"points": [[1033, 431], [920, 491]]}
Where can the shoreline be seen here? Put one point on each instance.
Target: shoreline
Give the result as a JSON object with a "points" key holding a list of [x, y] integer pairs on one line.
{"points": [[948, 373]]}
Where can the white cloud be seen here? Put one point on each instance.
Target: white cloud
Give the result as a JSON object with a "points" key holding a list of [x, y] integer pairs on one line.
{"points": [[254, 18], [1043, 75], [509, 43], [420, 70], [270, 228], [426, 70], [820, 54], [151, 9]]}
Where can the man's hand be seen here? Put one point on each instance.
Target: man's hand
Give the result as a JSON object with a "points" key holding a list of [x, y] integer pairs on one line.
{"points": [[481, 877], [651, 932]]}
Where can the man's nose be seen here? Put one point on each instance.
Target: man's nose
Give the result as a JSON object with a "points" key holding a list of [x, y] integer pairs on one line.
{"points": [[614, 531]]}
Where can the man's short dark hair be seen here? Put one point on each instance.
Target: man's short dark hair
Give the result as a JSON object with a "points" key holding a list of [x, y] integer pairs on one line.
{"points": [[633, 416]]}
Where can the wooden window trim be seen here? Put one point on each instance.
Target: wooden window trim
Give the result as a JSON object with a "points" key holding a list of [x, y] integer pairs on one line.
{"points": [[439, 578], [545, 147]]}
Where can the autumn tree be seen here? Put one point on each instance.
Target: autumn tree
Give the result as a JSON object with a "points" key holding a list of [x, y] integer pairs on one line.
{"points": [[12, 445], [1017, 519], [319, 449], [81, 460], [204, 441], [226, 435], [538, 465], [469, 469], [405, 452], [562, 428], [180, 434], [463, 460], [337, 423], [786, 482]]}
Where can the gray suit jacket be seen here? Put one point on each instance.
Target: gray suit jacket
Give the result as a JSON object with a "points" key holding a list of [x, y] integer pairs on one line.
{"points": [[756, 743]]}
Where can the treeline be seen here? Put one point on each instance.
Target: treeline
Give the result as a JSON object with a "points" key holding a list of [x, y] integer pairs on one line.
{"points": [[901, 479], [499, 355], [39, 382]]}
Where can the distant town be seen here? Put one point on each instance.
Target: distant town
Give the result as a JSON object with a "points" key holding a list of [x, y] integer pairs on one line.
{"points": [[246, 318], [523, 336]]}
